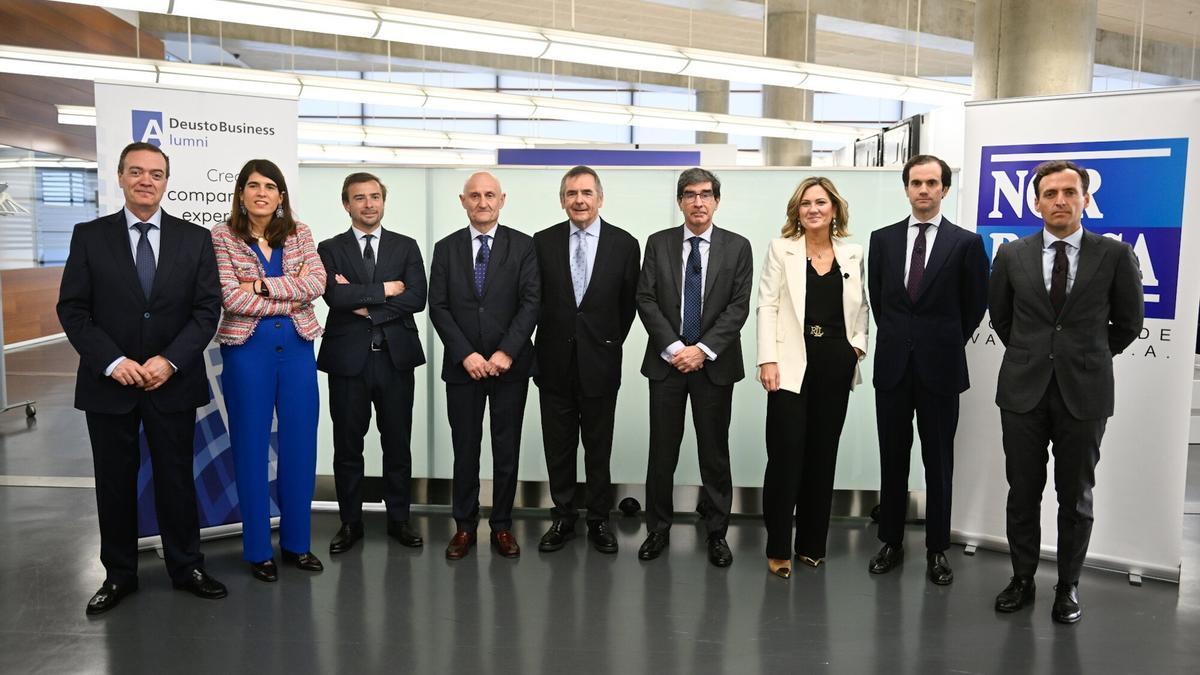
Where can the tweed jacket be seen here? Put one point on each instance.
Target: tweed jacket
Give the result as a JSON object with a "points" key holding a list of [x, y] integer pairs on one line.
{"points": [[290, 295]]}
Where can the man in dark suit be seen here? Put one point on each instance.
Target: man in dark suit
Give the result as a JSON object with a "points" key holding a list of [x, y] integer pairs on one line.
{"points": [[140, 301], [376, 282], [693, 296], [928, 284], [589, 279], [1063, 301], [484, 291]]}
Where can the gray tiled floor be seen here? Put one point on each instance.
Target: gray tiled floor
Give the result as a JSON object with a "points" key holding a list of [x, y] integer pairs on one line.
{"points": [[383, 607]]}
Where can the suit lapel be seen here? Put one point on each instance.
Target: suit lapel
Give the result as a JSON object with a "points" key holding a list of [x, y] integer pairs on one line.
{"points": [[1090, 256], [716, 255], [499, 249], [1030, 256], [463, 252], [898, 243], [603, 252], [169, 237], [937, 255], [795, 271], [349, 243], [117, 234]]}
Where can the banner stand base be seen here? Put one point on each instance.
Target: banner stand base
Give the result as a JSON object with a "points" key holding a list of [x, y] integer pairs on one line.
{"points": [[1133, 570]]}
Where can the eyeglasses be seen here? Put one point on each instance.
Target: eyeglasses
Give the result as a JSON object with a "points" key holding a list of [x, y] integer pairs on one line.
{"points": [[704, 195]]}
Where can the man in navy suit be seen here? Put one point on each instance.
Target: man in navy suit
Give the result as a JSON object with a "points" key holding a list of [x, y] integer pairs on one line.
{"points": [[376, 282], [484, 293], [139, 301], [927, 280]]}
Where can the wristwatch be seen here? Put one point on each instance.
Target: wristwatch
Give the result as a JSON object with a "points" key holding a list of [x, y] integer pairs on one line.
{"points": [[264, 291]]}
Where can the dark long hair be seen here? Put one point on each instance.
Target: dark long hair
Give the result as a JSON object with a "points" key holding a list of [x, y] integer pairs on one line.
{"points": [[278, 229]]}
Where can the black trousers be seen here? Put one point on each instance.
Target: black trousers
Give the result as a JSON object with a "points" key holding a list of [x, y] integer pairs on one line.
{"points": [[465, 404], [711, 406], [937, 422], [1076, 448], [568, 415], [803, 430], [117, 457], [390, 390]]}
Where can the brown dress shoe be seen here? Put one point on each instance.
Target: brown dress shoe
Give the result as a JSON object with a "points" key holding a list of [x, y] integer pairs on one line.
{"points": [[506, 544], [460, 545]]}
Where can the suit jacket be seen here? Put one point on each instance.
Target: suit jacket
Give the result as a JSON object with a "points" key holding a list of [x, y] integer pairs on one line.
{"points": [[594, 332], [781, 306], [933, 331], [1102, 316], [501, 319], [106, 316], [726, 301], [347, 340]]}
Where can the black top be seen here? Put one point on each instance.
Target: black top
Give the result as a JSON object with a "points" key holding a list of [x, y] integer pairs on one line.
{"points": [[823, 299]]}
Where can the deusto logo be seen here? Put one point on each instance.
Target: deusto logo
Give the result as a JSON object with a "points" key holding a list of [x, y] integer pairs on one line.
{"points": [[148, 127], [1137, 197]]}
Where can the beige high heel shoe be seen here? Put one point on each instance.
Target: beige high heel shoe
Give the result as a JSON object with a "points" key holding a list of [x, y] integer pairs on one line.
{"points": [[780, 568]]}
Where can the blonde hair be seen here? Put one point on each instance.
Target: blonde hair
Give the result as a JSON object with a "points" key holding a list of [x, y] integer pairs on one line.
{"points": [[840, 227]]}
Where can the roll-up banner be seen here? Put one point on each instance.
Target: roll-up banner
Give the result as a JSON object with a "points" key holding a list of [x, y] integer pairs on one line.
{"points": [[1137, 147], [208, 137]]}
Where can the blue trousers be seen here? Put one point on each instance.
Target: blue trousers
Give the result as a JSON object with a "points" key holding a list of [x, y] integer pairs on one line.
{"points": [[273, 372]]}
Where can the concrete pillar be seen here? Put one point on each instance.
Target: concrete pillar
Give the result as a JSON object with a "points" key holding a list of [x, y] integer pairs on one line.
{"points": [[1033, 47], [791, 34], [712, 96]]}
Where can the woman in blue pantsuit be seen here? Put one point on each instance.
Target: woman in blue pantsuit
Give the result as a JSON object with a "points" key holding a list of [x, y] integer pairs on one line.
{"points": [[270, 274]]}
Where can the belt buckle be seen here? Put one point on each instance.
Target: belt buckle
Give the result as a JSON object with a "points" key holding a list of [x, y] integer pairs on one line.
{"points": [[816, 331]]}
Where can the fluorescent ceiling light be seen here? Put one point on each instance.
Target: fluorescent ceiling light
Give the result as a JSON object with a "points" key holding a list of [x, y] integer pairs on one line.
{"points": [[348, 153], [27, 61], [82, 115], [442, 30], [46, 163], [659, 120]]}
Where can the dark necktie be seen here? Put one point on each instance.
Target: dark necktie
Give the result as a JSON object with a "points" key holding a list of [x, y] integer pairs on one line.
{"points": [[369, 263], [481, 263], [1058, 277], [916, 264], [145, 259], [692, 289]]}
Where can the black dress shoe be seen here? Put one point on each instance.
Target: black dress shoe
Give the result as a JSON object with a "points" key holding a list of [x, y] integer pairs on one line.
{"points": [[719, 553], [1066, 607], [199, 584], [656, 542], [602, 537], [109, 596], [888, 558], [403, 533], [305, 561], [346, 536], [556, 537], [937, 568], [265, 570], [1018, 593]]}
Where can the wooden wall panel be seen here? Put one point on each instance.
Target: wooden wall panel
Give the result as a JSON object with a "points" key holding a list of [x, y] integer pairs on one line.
{"points": [[29, 296]]}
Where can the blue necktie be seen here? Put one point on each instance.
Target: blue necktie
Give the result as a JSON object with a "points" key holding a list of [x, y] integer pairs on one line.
{"points": [[692, 288], [145, 259], [481, 263]]}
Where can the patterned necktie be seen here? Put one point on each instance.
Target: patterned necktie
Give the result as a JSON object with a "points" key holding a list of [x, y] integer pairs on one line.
{"points": [[481, 263], [377, 337], [579, 267], [145, 259], [1058, 277], [692, 289], [369, 257], [916, 264]]}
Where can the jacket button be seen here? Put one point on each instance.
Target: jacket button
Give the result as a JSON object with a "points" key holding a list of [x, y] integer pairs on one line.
{"points": [[1058, 327], [146, 315], [1051, 357], [481, 310], [278, 324], [279, 349]]}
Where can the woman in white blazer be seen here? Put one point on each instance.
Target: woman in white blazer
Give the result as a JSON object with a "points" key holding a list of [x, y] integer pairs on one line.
{"points": [[812, 331]]}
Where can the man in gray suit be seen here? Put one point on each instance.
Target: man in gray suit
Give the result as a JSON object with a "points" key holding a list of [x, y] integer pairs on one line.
{"points": [[1063, 301], [693, 296]]}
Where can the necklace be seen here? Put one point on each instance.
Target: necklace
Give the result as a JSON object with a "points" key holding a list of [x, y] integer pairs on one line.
{"points": [[820, 255]]}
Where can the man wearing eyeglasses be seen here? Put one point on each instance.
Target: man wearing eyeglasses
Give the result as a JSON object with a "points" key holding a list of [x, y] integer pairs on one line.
{"points": [[693, 297]]}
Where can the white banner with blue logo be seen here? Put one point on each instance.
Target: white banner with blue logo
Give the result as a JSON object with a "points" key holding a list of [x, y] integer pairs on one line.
{"points": [[208, 137], [1135, 146]]}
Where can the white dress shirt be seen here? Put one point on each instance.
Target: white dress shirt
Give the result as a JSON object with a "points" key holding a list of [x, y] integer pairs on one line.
{"points": [[476, 244], [1073, 240], [705, 243], [930, 234], [361, 237]]}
